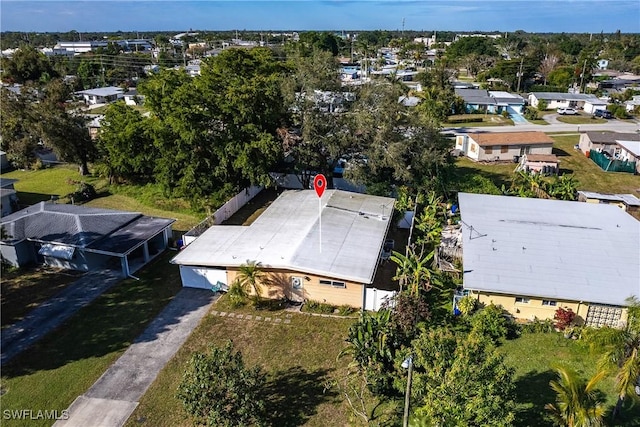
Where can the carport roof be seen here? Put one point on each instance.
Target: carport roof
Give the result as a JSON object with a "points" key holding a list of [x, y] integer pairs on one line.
{"points": [[287, 236]]}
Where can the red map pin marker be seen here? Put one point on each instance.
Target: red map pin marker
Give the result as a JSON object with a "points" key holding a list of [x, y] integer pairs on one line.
{"points": [[319, 184]]}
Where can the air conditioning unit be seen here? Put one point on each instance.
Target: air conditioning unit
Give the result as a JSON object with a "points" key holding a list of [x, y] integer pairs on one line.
{"points": [[296, 282]]}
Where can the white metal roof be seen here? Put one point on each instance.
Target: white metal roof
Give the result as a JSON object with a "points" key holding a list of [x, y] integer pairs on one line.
{"points": [[631, 146], [102, 91], [551, 249], [287, 236]]}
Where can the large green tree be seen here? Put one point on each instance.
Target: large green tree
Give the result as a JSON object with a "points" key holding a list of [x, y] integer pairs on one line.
{"points": [[27, 65], [461, 381], [125, 144]]}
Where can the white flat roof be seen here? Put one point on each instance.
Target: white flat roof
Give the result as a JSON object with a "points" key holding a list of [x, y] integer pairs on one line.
{"points": [[631, 146], [102, 91], [551, 249], [287, 236]]}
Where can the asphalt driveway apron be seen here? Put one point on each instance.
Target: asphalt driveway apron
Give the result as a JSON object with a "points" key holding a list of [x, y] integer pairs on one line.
{"points": [[112, 399]]}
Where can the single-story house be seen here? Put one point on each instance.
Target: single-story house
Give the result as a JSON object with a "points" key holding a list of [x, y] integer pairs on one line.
{"points": [[9, 198], [633, 104], [512, 103], [532, 256], [477, 100], [325, 250], [101, 95], [590, 106], [503, 145], [81, 238], [612, 151], [558, 99], [546, 164], [627, 202]]}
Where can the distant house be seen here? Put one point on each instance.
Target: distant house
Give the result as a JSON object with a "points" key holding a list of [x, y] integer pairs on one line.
{"points": [[503, 145], [558, 99], [532, 256], [627, 202], [102, 95], [80, 238], [603, 64], [131, 97], [604, 141], [9, 198], [490, 101], [633, 104], [332, 258], [612, 151], [590, 106], [629, 152]]}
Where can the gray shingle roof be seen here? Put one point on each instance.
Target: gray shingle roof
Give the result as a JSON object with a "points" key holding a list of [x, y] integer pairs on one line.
{"points": [[83, 227], [611, 137]]}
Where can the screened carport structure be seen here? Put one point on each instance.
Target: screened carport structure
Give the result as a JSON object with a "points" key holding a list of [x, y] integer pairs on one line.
{"points": [[81, 238]]}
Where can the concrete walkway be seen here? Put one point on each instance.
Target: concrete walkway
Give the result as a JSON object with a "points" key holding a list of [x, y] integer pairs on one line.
{"points": [[112, 399], [53, 312]]}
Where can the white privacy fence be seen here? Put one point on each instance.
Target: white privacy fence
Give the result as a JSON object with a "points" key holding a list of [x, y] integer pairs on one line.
{"points": [[225, 211], [374, 298]]}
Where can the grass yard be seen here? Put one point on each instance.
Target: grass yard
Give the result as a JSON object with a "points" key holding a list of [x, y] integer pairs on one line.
{"points": [[299, 358], [581, 120], [69, 360], [487, 120], [589, 175], [534, 356], [35, 186], [25, 289]]}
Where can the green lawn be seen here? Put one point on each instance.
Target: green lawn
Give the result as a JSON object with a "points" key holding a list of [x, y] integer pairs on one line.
{"points": [[533, 357], [65, 363], [34, 186], [487, 120], [299, 358], [581, 120]]}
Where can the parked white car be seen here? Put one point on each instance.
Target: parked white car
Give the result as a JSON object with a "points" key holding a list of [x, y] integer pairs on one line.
{"points": [[566, 110]]}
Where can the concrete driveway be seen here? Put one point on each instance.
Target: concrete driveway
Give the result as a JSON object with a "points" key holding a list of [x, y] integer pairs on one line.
{"points": [[112, 399]]}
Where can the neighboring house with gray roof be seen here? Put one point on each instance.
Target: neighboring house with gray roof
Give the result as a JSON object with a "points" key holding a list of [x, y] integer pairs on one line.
{"points": [[101, 95], [627, 202], [81, 238], [604, 141], [332, 257], [534, 255], [562, 100], [9, 198], [490, 101]]}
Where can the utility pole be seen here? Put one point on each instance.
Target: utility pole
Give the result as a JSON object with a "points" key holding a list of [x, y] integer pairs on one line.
{"points": [[584, 68], [403, 28], [520, 74]]}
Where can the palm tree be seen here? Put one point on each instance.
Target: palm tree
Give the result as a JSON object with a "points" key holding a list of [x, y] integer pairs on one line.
{"points": [[250, 275], [414, 271], [577, 403], [620, 349]]}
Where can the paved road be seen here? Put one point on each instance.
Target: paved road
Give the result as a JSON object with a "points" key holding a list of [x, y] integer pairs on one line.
{"points": [[112, 399], [554, 126], [53, 312]]}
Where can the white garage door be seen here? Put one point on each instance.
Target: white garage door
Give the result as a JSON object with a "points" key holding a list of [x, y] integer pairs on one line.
{"points": [[203, 278]]}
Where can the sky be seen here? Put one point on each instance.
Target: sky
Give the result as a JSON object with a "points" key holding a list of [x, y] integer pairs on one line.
{"points": [[584, 16]]}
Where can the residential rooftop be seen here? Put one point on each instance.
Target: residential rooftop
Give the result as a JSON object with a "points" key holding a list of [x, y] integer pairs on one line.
{"points": [[611, 137], [510, 138], [287, 235], [551, 249]]}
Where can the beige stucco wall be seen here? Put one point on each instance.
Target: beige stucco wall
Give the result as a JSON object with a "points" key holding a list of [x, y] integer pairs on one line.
{"points": [[513, 150], [534, 308], [277, 284]]}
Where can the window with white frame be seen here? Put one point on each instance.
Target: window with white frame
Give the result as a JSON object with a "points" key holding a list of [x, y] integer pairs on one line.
{"points": [[522, 300], [333, 283], [549, 302]]}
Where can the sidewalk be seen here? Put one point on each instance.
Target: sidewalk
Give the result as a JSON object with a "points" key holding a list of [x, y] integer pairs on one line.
{"points": [[112, 399], [53, 312]]}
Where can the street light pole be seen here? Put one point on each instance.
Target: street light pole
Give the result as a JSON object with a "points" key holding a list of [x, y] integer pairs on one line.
{"points": [[407, 363]]}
